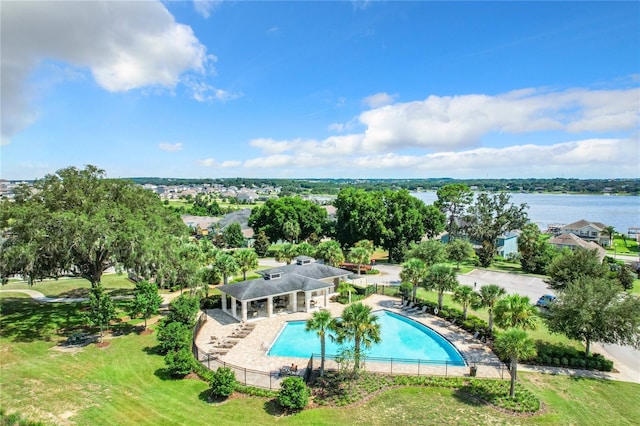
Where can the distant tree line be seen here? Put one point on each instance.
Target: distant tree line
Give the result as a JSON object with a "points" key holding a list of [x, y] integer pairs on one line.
{"points": [[333, 186]]}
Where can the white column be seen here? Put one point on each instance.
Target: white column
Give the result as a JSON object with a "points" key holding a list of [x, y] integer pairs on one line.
{"points": [[269, 306], [223, 302], [326, 297], [244, 310], [233, 307], [307, 301], [294, 301]]}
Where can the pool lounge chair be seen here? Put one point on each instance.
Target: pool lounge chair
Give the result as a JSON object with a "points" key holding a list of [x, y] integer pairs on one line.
{"points": [[413, 310], [401, 305], [408, 307], [473, 338], [419, 311]]}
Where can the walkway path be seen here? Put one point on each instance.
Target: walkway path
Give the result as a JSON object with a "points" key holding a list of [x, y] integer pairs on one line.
{"points": [[39, 297]]}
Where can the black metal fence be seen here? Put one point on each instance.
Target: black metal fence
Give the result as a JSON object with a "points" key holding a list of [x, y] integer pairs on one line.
{"points": [[246, 376], [419, 367]]}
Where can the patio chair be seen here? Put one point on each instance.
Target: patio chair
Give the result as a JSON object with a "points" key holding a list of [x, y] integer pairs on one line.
{"points": [[401, 305], [408, 307], [420, 311], [473, 338], [413, 310]]}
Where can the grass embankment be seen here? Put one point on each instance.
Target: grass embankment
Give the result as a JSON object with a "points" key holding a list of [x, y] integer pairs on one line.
{"points": [[126, 384]]}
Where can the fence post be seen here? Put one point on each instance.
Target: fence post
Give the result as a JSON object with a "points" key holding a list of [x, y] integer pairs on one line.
{"points": [[391, 360], [446, 368], [245, 377], [418, 367]]}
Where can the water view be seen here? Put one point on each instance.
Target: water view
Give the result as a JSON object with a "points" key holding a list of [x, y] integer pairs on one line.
{"points": [[621, 212]]}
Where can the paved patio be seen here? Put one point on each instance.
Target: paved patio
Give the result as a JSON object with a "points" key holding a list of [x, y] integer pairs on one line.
{"points": [[250, 352]]}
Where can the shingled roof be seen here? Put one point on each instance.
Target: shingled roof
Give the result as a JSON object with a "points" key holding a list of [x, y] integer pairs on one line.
{"points": [[261, 288], [311, 269]]}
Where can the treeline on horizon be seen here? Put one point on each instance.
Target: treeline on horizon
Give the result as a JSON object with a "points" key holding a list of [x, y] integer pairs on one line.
{"points": [[333, 186]]}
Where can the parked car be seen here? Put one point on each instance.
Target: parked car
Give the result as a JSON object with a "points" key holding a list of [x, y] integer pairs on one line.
{"points": [[545, 300]]}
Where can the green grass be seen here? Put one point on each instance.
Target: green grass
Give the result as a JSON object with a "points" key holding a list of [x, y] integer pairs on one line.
{"points": [[126, 384], [75, 287], [621, 246]]}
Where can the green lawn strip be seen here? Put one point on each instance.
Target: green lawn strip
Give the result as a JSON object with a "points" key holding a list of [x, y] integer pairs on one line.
{"points": [[573, 400], [115, 284]]}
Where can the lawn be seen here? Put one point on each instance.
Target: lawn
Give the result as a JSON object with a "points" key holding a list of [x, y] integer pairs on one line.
{"points": [[126, 384], [115, 284]]}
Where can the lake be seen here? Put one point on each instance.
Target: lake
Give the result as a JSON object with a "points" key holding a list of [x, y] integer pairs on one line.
{"points": [[621, 212]]}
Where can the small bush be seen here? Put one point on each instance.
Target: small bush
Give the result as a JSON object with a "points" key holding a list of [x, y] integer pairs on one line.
{"points": [[211, 302], [223, 382], [294, 394], [173, 336], [179, 363]]}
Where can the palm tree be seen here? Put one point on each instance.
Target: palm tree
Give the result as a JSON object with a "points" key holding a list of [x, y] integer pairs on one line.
{"points": [[515, 311], [465, 296], [330, 252], [489, 296], [226, 266], [414, 271], [610, 231], [247, 260], [306, 249], [361, 326], [286, 253], [320, 322], [441, 278], [516, 345], [359, 255], [345, 289]]}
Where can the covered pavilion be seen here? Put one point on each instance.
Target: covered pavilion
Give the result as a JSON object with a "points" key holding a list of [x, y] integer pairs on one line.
{"points": [[300, 287]]}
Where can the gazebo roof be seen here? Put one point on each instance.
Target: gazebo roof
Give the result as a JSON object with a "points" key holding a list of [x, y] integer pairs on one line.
{"points": [[261, 288], [306, 267]]}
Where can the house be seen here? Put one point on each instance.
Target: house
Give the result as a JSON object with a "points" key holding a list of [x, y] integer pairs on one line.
{"points": [[507, 244], [588, 231], [572, 241], [301, 286]]}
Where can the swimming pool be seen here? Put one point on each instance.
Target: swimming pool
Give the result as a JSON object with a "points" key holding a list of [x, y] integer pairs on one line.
{"points": [[401, 338]]}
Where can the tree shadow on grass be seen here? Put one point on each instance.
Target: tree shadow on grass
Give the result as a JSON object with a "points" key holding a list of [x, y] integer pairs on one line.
{"points": [[153, 350], [25, 320], [164, 375], [272, 408], [464, 396]]}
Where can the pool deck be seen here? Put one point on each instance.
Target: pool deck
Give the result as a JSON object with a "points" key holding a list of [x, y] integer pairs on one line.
{"points": [[250, 351]]}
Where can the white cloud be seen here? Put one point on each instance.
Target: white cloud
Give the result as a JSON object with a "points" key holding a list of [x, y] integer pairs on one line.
{"points": [[594, 154], [209, 162], [170, 147], [379, 100], [230, 163], [443, 123], [125, 45], [581, 158], [205, 7], [444, 136], [205, 92]]}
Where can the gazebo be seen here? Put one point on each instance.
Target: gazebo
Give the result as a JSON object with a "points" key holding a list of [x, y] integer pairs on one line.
{"points": [[301, 286]]}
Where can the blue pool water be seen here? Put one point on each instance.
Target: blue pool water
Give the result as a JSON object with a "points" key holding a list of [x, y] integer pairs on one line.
{"points": [[401, 338]]}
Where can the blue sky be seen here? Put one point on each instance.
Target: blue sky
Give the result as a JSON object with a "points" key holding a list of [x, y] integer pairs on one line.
{"points": [[358, 89]]}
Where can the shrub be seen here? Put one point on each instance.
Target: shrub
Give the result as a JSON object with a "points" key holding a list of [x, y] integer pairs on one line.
{"points": [[211, 302], [294, 394], [179, 363], [173, 336], [223, 382], [184, 309]]}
